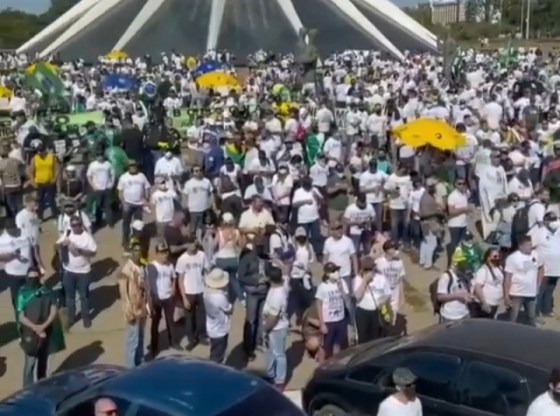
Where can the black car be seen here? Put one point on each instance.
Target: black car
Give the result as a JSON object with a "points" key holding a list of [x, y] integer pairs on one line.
{"points": [[469, 368]]}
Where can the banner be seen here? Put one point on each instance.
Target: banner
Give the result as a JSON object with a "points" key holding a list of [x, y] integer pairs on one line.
{"points": [[184, 118], [5, 127]]}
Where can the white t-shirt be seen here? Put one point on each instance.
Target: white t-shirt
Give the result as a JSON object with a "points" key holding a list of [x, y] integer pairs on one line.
{"points": [[281, 190], [20, 265], [492, 285], [524, 270], [198, 192], [401, 183], [276, 304], [452, 310], [253, 219], [133, 187], [378, 289], [394, 271], [547, 244], [353, 213], [458, 200], [63, 222], [373, 180], [544, 405], [340, 252], [164, 280], [332, 300], [307, 213], [164, 203], [101, 174], [79, 263], [319, 174], [536, 213], [393, 407], [29, 223], [191, 268], [218, 309], [168, 169]]}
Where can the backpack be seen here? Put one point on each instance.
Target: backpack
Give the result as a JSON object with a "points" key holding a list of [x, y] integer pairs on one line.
{"points": [[436, 304], [520, 223]]}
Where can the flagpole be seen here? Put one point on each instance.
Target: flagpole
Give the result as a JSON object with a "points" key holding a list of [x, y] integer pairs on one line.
{"points": [[528, 27]]}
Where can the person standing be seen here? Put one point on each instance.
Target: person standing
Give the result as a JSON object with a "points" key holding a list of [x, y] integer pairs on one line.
{"points": [[133, 189], [488, 285], [36, 314], [453, 295], [218, 313], [373, 293], [228, 241], [101, 178], [404, 402], [276, 328], [43, 172], [198, 192], [77, 248], [134, 302], [16, 251], [458, 208], [306, 202], [11, 170], [524, 275], [161, 284], [340, 250], [163, 201], [191, 268]]}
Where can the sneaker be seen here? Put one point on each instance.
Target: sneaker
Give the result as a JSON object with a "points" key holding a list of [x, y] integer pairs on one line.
{"points": [[191, 346]]}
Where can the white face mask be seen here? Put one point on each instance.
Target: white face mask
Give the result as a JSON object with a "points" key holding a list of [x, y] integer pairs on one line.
{"points": [[554, 225], [168, 155], [334, 276]]}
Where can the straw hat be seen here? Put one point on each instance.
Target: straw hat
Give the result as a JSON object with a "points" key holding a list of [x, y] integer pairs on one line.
{"points": [[216, 279]]}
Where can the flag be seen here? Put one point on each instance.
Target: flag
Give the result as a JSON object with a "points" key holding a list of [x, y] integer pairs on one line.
{"points": [[313, 147], [509, 57], [46, 82], [237, 155]]}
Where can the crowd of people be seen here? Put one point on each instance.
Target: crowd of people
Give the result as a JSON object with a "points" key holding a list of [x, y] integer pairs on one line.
{"points": [[247, 215]]}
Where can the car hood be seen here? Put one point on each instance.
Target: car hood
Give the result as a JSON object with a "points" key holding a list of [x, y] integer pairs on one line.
{"points": [[42, 398]]}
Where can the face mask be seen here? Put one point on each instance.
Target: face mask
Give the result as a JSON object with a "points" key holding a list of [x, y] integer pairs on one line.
{"points": [[554, 225], [334, 276], [168, 155], [205, 146], [495, 262]]}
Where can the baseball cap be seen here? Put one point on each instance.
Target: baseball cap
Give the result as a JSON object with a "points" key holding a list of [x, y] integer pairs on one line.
{"points": [[402, 376], [330, 267]]}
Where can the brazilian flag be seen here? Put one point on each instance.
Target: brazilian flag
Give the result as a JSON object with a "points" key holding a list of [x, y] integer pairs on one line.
{"points": [[45, 80], [237, 155]]}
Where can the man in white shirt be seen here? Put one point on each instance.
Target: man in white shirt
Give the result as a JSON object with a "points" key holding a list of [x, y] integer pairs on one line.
{"points": [[163, 201], [358, 218], [275, 315], [133, 189], [340, 250], [398, 185], [198, 193], [218, 310], [524, 275], [404, 402], [371, 184], [101, 177], [453, 295], [546, 241], [191, 268], [548, 403], [458, 209], [306, 203], [77, 250]]}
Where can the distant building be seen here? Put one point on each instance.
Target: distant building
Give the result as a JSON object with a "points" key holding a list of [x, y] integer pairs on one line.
{"points": [[445, 12]]}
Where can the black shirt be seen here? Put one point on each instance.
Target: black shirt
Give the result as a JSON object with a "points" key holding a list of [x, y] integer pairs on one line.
{"points": [[174, 237], [72, 187], [133, 143]]}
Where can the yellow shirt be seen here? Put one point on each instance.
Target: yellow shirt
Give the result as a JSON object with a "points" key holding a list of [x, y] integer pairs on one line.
{"points": [[44, 169]]}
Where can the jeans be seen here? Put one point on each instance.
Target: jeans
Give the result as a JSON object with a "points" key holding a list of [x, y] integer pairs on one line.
{"points": [[46, 195], [230, 265], [15, 283], [313, 230], [276, 360], [546, 295], [337, 335], [35, 366], [252, 329], [427, 249], [13, 198], [165, 307], [415, 232], [368, 325], [77, 282], [100, 203], [530, 306], [362, 242], [456, 236], [218, 347], [196, 220], [129, 213], [195, 319], [299, 298], [398, 225], [378, 208], [135, 343]]}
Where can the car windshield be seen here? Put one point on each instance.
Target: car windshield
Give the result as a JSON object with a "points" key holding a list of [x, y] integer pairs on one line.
{"points": [[265, 398]]}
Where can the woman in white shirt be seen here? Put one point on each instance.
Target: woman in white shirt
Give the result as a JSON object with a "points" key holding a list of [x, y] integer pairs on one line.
{"points": [[373, 295], [331, 297], [228, 243], [301, 286], [487, 285]]}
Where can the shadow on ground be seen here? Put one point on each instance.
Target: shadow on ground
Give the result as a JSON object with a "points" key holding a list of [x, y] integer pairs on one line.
{"points": [[102, 268], [8, 333], [82, 356], [103, 297]]}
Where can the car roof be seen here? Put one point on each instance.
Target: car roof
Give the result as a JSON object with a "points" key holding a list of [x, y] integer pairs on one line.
{"points": [[185, 385], [488, 337]]}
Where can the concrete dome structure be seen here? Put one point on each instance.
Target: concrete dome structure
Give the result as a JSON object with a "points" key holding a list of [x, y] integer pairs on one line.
{"points": [[94, 27]]}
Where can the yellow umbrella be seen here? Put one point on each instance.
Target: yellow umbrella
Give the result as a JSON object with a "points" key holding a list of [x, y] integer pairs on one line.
{"points": [[5, 92], [191, 63], [218, 81], [436, 133], [117, 56], [31, 69]]}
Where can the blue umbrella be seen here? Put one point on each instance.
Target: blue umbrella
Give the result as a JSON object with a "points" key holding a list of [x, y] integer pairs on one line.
{"points": [[119, 82], [207, 66]]}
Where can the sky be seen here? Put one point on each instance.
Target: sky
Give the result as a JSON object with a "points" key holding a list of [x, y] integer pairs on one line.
{"points": [[39, 6]]}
